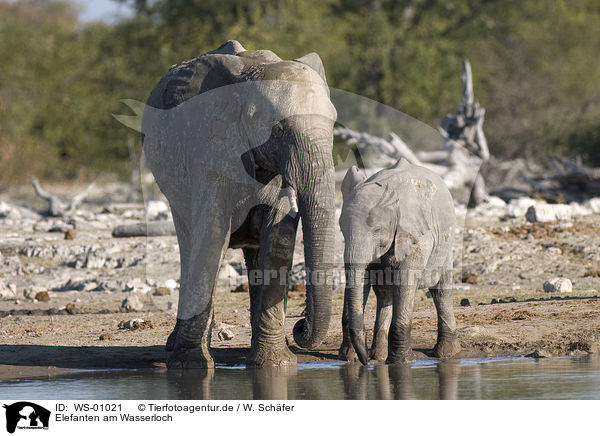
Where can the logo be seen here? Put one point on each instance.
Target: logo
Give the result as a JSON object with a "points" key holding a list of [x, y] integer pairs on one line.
{"points": [[26, 415]]}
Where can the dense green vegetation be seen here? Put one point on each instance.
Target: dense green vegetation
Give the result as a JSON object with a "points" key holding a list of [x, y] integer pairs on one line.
{"points": [[536, 68]]}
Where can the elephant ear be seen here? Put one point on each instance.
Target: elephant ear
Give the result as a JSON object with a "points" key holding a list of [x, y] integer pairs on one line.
{"points": [[353, 177], [314, 61]]}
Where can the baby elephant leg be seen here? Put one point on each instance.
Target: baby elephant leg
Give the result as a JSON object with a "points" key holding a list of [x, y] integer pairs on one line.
{"points": [[447, 341], [383, 318], [399, 345]]}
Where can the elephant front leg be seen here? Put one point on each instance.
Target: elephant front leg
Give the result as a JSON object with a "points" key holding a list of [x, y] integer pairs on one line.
{"points": [[383, 319], [276, 252], [346, 351], [447, 344], [399, 345], [201, 251]]}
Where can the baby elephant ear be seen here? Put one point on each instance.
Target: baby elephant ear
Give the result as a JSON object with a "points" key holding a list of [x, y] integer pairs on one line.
{"points": [[353, 177]]}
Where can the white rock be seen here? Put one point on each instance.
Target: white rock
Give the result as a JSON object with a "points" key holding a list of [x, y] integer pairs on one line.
{"points": [[90, 286], [137, 285], [492, 200], [228, 275], [491, 207], [518, 206], [593, 204], [42, 226], [554, 250], [131, 304], [95, 260], [157, 210], [8, 211], [474, 331], [580, 209], [131, 324], [108, 286], [543, 213], [558, 284], [31, 292], [171, 284], [223, 331], [8, 290]]}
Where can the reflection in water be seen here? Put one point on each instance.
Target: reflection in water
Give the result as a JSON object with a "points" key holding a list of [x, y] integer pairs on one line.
{"points": [[448, 376], [395, 382], [191, 384], [401, 382], [500, 378], [354, 376], [271, 383]]}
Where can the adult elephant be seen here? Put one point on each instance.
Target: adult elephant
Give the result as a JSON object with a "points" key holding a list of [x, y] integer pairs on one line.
{"points": [[235, 139]]}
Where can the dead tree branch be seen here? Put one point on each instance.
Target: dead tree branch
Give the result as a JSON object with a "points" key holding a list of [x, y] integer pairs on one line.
{"points": [[464, 132], [56, 206], [458, 163], [571, 182], [152, 228]]}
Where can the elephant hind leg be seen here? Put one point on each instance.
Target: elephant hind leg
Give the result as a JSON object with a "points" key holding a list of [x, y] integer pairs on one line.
{"points": [[399, 339], [183, 241], [447, 341], [201, 249]]}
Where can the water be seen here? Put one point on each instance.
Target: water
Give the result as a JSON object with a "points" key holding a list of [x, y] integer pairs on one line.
{"points": [[493, 378]]}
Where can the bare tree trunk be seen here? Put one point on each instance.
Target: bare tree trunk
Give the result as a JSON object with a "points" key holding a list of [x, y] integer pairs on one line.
{"points": [[478, 193], [465, 130]]}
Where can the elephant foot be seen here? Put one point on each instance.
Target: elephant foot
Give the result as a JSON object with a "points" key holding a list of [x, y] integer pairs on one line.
{"points": [[269, 356], [379, 352], [172, 339], [446, 348], [401, 357], [347, 353], [190, 358], [189, 343], [379, 347]]}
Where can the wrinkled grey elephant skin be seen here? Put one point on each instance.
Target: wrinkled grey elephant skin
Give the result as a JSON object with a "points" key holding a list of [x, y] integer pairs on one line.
{"points": [[398, 226], [240, 142]]}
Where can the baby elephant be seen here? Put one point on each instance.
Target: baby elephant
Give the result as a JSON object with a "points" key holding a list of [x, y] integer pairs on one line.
{"points": [[397, 226]]}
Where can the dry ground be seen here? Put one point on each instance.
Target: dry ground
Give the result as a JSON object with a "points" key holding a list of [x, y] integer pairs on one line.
{"points": [[505, 261]]}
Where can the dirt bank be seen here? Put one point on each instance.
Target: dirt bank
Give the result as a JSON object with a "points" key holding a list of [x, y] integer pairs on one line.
{"points": [[59, 343]]}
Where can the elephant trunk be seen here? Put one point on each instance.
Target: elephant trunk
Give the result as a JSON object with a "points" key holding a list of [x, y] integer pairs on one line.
{"points": [[355, 277], [316, 207]]}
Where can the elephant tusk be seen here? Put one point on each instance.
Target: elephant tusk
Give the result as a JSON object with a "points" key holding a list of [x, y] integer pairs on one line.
{"points": [[291, 196], [287, 203]]}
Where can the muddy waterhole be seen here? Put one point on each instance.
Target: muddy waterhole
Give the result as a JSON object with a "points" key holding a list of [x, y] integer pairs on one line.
{"points": [[475, 378]]}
